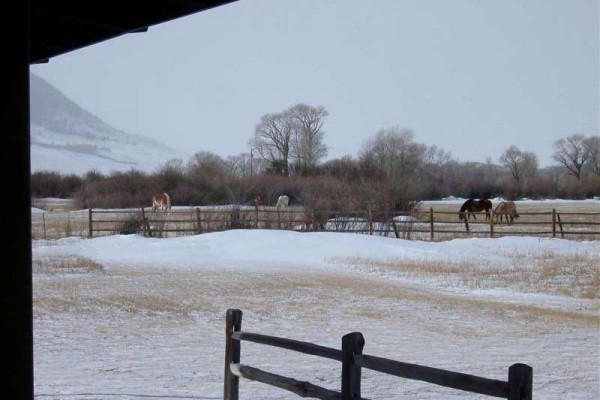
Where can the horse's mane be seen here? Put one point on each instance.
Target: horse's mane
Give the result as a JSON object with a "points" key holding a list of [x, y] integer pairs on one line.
{"points": [[499, 206], [466, 204]]}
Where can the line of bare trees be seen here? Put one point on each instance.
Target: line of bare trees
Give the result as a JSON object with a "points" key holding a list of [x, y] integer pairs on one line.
{"points": [[391, 171]]}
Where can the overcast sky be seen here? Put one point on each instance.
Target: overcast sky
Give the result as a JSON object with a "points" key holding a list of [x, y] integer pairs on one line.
{"points": [[470, 76]]}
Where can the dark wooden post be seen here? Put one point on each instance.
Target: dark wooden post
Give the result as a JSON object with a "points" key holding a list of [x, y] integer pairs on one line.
{"points": [[492, 223], [396, 232], [90, 222], [255, 215], [370, 219], [352, 343], [562, 233], [198, 221], [554, 222], [431, 223], [520, 382], [278, 219], [233, 323], [145, 225], [143, 221], [467, 224]]}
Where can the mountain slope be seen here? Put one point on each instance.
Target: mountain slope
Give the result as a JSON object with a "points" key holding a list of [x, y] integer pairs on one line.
{"points": [[70, 140]]}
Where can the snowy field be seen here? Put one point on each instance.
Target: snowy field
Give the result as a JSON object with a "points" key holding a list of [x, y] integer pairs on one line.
{"points": [[128, 317]]}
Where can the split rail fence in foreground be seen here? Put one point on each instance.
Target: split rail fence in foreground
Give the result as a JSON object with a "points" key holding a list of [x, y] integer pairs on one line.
{"points": [[517, 387]]}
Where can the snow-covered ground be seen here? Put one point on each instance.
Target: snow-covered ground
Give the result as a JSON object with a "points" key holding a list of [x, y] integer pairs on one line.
{"points": [[149, 323]]}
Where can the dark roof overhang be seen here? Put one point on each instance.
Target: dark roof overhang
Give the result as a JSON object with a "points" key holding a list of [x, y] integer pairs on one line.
{"points": [[61, 26]]}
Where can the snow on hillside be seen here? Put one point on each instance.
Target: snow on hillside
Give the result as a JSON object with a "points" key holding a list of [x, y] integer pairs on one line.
{"points": [[51, 151], [68, 139]]}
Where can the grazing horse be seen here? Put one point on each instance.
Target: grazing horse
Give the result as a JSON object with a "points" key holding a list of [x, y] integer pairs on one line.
{"points": [[283, 201], [507, 209], [161, 201], [472, 206]]}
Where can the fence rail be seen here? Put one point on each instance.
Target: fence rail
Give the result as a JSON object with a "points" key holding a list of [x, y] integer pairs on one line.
{"points": [[519, 385], [421, 225]]}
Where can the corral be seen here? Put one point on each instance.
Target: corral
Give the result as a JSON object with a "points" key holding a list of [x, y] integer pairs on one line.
{"points": [[430, 221]]}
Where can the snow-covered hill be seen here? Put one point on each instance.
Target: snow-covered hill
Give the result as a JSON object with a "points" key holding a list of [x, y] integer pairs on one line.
{"points": [[68, 139]]}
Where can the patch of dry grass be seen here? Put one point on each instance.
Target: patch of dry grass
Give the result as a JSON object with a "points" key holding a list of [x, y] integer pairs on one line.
{"points": [[65, 265], [575, 275]]}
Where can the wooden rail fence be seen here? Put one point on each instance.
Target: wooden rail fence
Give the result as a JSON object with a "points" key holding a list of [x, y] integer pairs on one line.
{"points": [[423, 225], [519, 385]]}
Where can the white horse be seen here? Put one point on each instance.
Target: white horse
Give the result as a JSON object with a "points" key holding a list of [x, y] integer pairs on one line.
{"points": [[282, 201], [161, 201]]}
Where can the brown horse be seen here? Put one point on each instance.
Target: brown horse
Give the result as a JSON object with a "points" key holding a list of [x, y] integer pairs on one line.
{"points": [[472, 206], [161, 201], [507, 209]]}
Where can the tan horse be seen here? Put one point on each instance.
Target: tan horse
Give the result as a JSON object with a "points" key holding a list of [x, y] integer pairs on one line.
{"points": [[161, 201], [507, 209]]}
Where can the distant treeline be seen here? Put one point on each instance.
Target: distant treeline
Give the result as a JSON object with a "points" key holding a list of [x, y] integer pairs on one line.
{"points": [[389, 174]]}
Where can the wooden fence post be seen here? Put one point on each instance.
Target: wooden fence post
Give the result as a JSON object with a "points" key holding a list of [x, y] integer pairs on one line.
{"points": [[255, 215], [562, 233], [352, 343], [370, 219], [144, 222], [234, 219], [492, 223], [396, 232], [278, 218], [198, 221], [554, 222], [314, 219], [431, 223], [233, 323], [90, 223], [467, 224], [520, 382]]}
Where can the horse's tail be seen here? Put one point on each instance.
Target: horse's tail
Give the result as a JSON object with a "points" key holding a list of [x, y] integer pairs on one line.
{"points": [[168, 201]]}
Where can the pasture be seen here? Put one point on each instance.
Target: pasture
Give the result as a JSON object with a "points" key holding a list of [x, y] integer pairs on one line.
{"points": [[133, 317]]}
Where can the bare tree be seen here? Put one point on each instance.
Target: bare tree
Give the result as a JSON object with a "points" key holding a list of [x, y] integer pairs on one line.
{"points": [[436, 160], [292, 136], [239, 165], [571, 153], [307, 140], [592, 146], [399, 160], [272, 140], [395, 152], [521, 164]]}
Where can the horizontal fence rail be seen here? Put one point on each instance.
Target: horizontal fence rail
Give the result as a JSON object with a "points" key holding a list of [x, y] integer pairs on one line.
{"points": [[418, 225], [519, 385]]}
